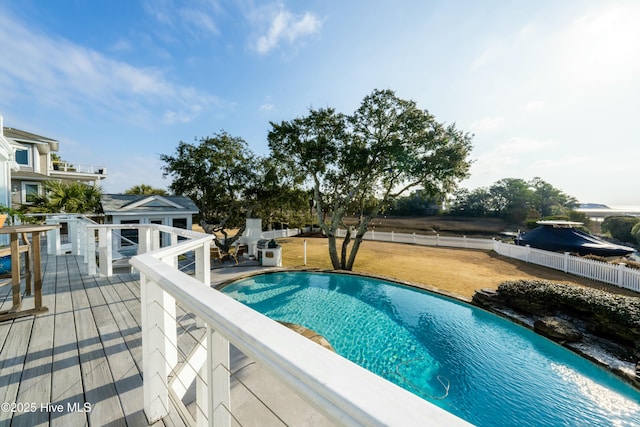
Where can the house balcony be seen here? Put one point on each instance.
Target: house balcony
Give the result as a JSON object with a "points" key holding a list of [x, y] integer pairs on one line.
{"points": [[63, 169], [160, 346]]}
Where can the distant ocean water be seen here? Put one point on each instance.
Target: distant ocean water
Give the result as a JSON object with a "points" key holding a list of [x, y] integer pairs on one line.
{"points": [[625, 208]]}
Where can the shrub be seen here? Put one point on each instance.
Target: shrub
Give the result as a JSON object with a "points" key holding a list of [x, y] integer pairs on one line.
{"points": [[623, 310], [620, 227]]}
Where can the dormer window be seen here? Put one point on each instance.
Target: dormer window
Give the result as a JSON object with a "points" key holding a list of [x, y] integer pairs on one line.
{"points": [[22, 157]]}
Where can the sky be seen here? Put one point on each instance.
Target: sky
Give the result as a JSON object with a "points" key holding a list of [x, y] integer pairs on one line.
{"points": [[548, 88]]}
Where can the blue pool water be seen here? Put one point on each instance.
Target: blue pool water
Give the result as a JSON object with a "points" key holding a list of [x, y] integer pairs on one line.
{"points": [[472, 363]]}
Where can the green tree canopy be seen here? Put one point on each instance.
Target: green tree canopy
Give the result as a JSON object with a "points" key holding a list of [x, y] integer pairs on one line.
{"points": [[219, 174], [621, 227], [514, 200], [146, 190], [361, 163]]}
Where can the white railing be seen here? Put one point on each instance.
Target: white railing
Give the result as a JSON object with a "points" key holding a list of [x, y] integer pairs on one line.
{"points": [[64, 166], [344, 392]]}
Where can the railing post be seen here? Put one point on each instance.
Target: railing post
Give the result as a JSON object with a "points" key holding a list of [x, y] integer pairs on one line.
{"points": [[105, 251], [72, 226], [203, 263], [82, 242], [219, 390], [53, 239], [144, 240], [158, 347], [91, 251]]}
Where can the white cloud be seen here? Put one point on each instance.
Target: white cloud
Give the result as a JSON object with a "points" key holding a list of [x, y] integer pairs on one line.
{"points": [[283, 26], [266, 107], [518, 145], [487, 124], [489, 55], [70, 76], [601, 47], [534, 105]]}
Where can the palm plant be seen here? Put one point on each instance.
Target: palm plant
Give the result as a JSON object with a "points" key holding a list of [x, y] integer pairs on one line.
{"points": [[69, 197]]}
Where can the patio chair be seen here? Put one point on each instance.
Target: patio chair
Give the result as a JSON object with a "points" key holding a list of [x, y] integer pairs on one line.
{"points": [[239, 252], [217, 255]]}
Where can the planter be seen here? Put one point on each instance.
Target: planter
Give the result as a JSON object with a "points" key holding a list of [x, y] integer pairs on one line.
{"points": [[3, 218]]}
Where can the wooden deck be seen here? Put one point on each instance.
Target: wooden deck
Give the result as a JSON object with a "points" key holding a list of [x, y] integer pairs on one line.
{"points": [[80, 363]]}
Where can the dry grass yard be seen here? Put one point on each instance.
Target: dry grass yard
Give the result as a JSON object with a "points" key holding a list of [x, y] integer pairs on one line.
{"points": [[457, 272]]}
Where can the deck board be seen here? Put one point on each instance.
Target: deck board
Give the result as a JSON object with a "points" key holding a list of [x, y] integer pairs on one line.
{"points": [[87, 348]]}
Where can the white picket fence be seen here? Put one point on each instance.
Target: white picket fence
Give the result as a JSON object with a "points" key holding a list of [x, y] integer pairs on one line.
{"points": [[424, 240], [614, 274]]}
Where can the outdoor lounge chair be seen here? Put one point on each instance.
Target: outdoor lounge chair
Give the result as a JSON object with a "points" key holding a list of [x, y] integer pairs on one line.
{"points": [[217, 255], [239, 252]]}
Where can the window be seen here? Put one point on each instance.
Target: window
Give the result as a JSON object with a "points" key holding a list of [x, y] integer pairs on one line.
{"points": [[30, 191], [129, 236], [22, 157], [180, 223]]}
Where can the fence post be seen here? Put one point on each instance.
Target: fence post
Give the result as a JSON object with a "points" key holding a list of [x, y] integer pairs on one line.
{"points": [[414, 238], [566, 262], [305, 251], [392, 239], [373, 234], [437, 239], [528, 252], [621, 274]]}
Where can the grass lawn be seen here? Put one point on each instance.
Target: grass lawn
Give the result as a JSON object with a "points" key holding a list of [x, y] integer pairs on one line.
{"points": [[457, 272]]}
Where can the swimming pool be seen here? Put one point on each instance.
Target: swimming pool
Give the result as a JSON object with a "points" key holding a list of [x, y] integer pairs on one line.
{"points": [[472, 363]]}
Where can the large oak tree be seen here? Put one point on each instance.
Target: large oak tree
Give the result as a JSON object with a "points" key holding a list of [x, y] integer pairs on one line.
{"points": [[360, 163], [218, 174]]}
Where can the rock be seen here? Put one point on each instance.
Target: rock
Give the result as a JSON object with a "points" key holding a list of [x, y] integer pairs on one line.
{"points": [[557, 329], [485, 297]]}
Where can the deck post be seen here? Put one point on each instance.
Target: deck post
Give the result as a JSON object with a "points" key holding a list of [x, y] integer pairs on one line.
{"points": [[91, 251], [203, 263], [72, 227], [105, 251], [144, 240], [219, 390], [53, 239], [158, 328]]}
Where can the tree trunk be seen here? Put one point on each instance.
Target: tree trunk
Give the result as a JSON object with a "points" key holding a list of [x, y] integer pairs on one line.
{"points": [[333, 251], [362, 228], [345, 247]]}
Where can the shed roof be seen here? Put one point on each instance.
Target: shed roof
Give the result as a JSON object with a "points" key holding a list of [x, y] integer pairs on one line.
{"points": [[114, 204]]}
